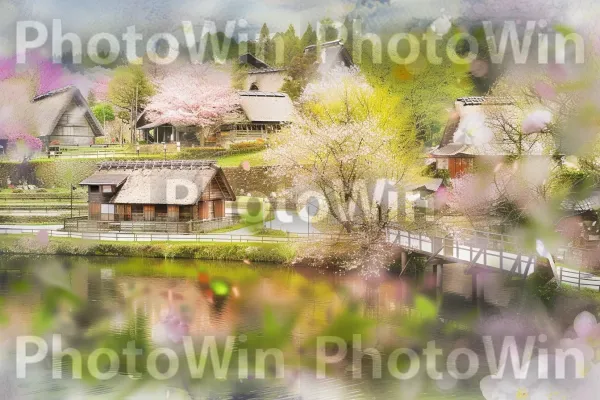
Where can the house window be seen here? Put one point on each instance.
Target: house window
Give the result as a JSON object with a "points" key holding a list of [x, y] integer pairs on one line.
{"points": [[107, 189], [94, 189], [107, 212]]}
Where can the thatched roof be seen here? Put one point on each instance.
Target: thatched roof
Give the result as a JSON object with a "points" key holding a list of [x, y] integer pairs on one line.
{"points": [[333, 54], [432, 184], [469, 130], [104, 178], [162, 182], [40, 115], [252, 61], [49, 107], [266, 106]]}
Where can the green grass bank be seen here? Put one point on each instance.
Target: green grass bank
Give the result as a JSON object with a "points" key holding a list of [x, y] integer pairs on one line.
{"points": [[255, 252]]}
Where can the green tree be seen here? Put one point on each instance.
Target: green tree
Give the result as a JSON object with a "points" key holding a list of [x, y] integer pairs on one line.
{"points": [[130, 90], [426, 89], [103, 112], [300, 72], [91, 99], [291, 44], [266, 46], [309, 37]]}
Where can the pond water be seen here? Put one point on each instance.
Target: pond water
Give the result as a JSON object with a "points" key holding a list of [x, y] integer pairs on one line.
{"points": [[104, 302]]}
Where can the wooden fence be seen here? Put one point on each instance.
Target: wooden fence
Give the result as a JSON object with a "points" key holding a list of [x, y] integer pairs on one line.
{"points": [[199, 226], [581, 280]]}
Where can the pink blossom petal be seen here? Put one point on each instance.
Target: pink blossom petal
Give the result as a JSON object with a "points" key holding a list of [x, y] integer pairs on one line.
{"points": [[42, 237], [536, 121], [545, 90], [584, 324]]}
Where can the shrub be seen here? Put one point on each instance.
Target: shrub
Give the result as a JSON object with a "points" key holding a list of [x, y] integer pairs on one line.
{"points": [[196, 153], [541, 284], [256, 145], [18, 190]]}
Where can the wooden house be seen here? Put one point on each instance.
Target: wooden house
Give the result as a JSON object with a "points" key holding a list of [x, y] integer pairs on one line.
{"points": [[164, 191], [259, 114], [330, 55], [60, 116], [260, 75], [471, 138]]}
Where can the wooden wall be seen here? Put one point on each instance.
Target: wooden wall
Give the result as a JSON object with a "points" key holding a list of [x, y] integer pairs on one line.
{"points": [[459, 165], [73, 128]]}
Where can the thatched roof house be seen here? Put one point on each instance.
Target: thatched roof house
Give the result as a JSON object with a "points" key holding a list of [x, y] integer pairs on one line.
{"points": [[259, 114], [260, 75], [476, 130], [172, 191], [332, 55], [61, 115]]}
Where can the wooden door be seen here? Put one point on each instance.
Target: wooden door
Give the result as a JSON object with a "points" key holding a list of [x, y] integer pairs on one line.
{"points": [[203, 209], [120, 212], [94, 211], [173, 213], [127, 212], [149, 213], [219, 206]]}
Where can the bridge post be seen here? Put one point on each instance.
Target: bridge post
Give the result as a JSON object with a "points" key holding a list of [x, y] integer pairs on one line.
{"points": [[437, 272], [403, 259], [476, 286]]}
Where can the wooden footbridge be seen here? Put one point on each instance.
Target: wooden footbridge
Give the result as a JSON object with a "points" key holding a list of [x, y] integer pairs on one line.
{"points": [[484, 251]]}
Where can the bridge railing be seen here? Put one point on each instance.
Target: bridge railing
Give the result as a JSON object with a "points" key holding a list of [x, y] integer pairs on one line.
{"points": [[456, 247], [474, 238]]}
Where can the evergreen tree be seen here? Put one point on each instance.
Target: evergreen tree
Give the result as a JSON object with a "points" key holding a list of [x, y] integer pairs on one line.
{"points": [[291, 44], [265, 46], [309, 37]]}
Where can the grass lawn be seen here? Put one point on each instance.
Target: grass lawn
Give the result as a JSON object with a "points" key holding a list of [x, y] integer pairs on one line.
{"points": [[255, 159], [273, 233], [239, 225]]}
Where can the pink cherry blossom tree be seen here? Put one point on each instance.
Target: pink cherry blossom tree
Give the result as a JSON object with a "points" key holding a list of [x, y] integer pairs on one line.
{"points": [[348, 149], [188, 96]]}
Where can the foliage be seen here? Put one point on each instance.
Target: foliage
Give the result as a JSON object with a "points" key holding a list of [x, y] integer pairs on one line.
{"points": [[256, 145], [21, 145], [301, 71], [103, 112], [348, 136], [130, 91], [542, 285], [426, 90], [255, 252], [239, 75]]}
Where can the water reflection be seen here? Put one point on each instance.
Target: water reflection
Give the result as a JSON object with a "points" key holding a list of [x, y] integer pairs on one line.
{"points": [[168, 299]]}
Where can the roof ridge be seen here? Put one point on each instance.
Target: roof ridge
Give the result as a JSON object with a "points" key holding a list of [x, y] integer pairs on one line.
{"points": [[54, 92], [153, 164], [479, 100]]}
